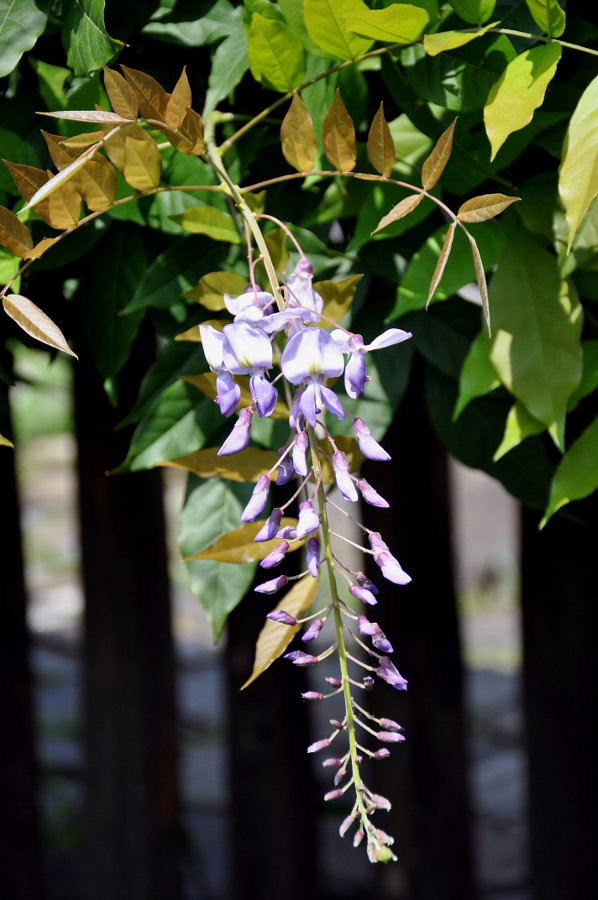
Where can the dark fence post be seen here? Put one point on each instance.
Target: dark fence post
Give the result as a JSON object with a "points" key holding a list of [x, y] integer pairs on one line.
{"points": [[560, 633], [19, 830], [130, 720], [426, 776]]}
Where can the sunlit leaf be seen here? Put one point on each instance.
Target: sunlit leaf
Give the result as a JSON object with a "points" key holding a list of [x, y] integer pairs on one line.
{"points": [[81, 141], [217, 224], [87, 43], [188, 138], [297, 137], [518, 92], [95, 181], [473, 11], [211, 288], [337, 296], [548, 15], [247, 465], [520, 425], [276, 54], [442, 260], [324, 20], [274, 637], [142, 164], [115, 144], [434, 165], [206, 383], [87, 115], [152, 97], [21, 23], [399, 23], [589, 375], [15, 236], [577, 474], [481, 279], [276, 242], [40, 248], [484, 207], [381, 148], [123, 99], [4, 442], [179, 101], [537, 323], [35, 322], [403, 208], [478, 375], [578, 176], [338, 136], [442, 41], [238, 546], [57, 181]]}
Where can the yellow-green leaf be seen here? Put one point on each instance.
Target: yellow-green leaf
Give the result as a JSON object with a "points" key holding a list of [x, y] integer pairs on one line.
{"points": [[4, 442], [123, 98], [518, 92], [520, 425], [548, 15], [400, 23], [473, 11], [211, 288], [381, 148], [450, 40], [190, 334], [142, 164], [578, 176], [337, 296], [486, 206], [338, 136], [434, 165], [577, 473], [481, 279], [274, 637], [276, 242], [442, 261], [206, 383], [15, 236], [247, 465], [324, 20], [402, 209], [179, 102], [297, 137], [152, 97], [276, 54], [218, 225], [35, 322], [239, 546]]}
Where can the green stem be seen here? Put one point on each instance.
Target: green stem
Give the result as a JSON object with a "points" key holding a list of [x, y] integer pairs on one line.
{"points": [[544, 38]]}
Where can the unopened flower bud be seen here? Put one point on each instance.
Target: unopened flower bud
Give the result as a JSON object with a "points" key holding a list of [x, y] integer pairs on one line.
{"points": [[382, 753], [318, 745], [345, 825], [367, 444], [331, 761], [364, 582], [257, 501], [299, 454], [390, 737], [362, 594], [339, 776], [285, 469], [365, 626], [333, 795], [313, 556], [287, 533], [381, 642], [333, 681], [368, 682], [343, 479], [336, 723], [370, 495], [270, 587], [390, 725], [312, 695], [299, 658], [238, 439], [270, 527], [313, 631], [308, 520], [380, 802], [389, 673], [279, 615], [358, 837], [276, 556], [390, 566]]}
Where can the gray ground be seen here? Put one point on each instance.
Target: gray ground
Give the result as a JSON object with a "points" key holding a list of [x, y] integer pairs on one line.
{"points": [[485, 521]]}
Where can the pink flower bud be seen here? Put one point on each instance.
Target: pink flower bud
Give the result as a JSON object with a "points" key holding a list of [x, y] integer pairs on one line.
{"points": [[382, 753], [312, 695], [313, 631], [390, 737], [333, 795], [331, 762], [318, 745], [270, 587], [333, 681]]}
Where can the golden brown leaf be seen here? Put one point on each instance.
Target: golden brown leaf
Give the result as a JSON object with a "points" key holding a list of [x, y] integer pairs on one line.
{"points": [[179, 102], [481, 279], [338, 136], [337, 296], [402, 209], [87, 115], [297, 136], [81, 141], [123, 98], [95, 181], [40, 248], [64, 207], [15, 236], [484, 207], [211, 288], [434, 165], [238, 546], [35, 322], [274, 637], [442, 261], [247, 465], [153, 99], [381, 148], [142, 164], [115, 145]]}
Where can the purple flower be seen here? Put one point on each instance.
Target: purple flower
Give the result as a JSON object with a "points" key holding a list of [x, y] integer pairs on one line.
{"points": [[381, 642], [270, 587], [390, 566], [368, 446], [270, 527], [343, 479], [335, 682], [365, 626], [285, 468], [313, 556], [247, 350], [313, 631], [299, 290], [390, 725], [249, 306], [276, 556], [227, 392], [387, 672], [390, 737], [308, 520], [279, 615], [309, 357], [333, 795], [238, 439], [299, 658], [370, 495], [318, 745], [299, 451], [257, 501], [288, 533], [362, 594], [382, 753], [355, 376]]}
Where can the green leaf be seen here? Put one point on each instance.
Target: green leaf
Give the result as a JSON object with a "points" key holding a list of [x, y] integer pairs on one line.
{"points": [[478, 375], [589, 376], [14, 147], [21, 23], [212, 509], [84, 36], [208, 220], [537, 321], [548, 15], [578, 176], [399, 23], [229, 64], [459, 271], [276, 54], [520, 425], [519, 91], [324, 20], [577, 474], [474, 11], [193, 24], [4, 442], [441, 41], [275, 637]]}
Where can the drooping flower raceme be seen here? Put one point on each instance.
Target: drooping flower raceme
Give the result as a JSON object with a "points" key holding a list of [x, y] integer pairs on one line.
{"points": [[295, 338]]}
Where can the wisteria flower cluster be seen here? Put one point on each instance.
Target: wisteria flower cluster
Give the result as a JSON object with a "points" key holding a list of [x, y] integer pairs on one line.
{"points": [[291, 333]]}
